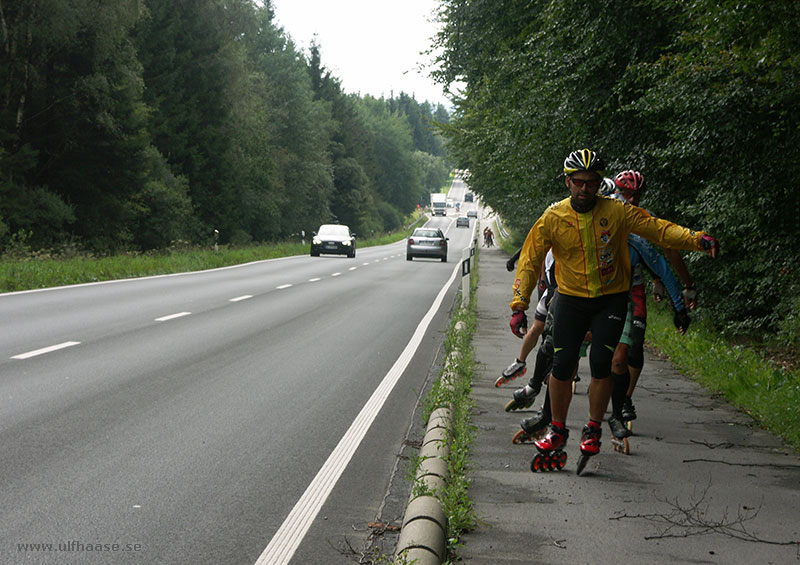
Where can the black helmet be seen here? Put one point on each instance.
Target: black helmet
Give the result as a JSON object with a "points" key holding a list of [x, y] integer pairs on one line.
{"points": [[584, 160]]}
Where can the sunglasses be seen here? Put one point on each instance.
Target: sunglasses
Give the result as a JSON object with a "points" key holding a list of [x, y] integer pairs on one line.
{"points": [[591, 184]]}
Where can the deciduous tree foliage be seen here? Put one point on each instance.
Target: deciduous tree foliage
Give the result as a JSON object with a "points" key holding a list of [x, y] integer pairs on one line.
{"points": [[132, 124], [701, 97]]}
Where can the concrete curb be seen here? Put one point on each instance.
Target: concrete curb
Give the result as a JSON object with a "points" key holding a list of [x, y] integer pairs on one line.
{"points": [[423, 537]]}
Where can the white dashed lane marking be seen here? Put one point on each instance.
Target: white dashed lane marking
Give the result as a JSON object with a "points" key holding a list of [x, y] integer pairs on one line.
{"points": [[44, 350], [172, 316]]}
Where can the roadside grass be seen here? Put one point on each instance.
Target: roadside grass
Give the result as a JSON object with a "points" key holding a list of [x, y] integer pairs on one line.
{"points": [[25, 270], [770, 394], [455, 394]]}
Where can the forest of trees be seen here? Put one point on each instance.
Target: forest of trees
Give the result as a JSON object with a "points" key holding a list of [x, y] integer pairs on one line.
{"points": [[131, 124], [702, 97]]}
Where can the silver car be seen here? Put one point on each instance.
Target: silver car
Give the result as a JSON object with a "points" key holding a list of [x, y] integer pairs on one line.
{"points": [[427, 242]]}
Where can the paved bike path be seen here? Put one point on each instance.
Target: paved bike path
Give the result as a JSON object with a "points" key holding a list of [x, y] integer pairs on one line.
{"points": [[703, 483]]}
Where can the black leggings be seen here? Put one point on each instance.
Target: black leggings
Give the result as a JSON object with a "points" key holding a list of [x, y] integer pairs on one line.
{"points": [[573, 317]]}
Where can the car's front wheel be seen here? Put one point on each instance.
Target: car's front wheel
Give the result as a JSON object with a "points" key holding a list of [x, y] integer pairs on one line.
{"points": [[409, 257]]}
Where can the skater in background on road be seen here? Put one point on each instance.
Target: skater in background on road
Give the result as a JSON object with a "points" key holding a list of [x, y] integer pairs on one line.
{"points": [[488, 237], [629, 186], [588, 235]]}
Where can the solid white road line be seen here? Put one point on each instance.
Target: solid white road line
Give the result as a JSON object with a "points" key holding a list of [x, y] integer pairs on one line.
{"points": [[240, 298], [172, 316], [287, 539], [46, 350]]}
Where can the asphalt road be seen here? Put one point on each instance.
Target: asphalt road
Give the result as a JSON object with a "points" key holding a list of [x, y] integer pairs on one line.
{"points": [[183, 417]]}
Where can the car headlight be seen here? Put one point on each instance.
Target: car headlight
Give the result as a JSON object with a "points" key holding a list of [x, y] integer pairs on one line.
{"points": [[315, 241], [348, 243]]}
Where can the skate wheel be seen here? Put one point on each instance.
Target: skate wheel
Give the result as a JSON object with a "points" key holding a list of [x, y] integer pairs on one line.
{"points": [[499, 381], [629, 425], [511, 405], [574, 386], [536, 463], [621, 445], [562, 460], [519, 438]]}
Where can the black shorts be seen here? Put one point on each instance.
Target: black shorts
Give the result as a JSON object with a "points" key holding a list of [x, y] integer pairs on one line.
{"points": [[573, 317]]}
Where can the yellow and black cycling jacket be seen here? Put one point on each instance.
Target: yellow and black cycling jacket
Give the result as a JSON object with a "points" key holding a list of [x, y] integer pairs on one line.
{"points": [[591, 248]]}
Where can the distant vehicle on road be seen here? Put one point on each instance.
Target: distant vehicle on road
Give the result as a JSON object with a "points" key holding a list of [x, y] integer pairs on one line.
{"points": [[468, 197], [335, 239], [472, 213], [462, 222], [427, 242], [439, 203]]}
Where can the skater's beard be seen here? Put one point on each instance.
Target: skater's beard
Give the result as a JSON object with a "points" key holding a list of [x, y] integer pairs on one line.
{"points": [[582, 206]]}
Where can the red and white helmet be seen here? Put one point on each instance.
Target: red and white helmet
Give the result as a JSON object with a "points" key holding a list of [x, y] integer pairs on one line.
{"points": [[631, 181]]}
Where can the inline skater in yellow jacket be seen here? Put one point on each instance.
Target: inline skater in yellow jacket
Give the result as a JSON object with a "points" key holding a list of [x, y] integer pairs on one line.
{"points": [[588, 234]]}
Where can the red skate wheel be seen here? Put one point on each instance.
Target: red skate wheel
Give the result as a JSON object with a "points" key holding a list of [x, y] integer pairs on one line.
{"points": [[562, 460], [536, 463]]}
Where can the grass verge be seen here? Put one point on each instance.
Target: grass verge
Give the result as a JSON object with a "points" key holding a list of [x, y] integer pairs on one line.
{"points": [[755, 385], [457, 397], [42, 270]]}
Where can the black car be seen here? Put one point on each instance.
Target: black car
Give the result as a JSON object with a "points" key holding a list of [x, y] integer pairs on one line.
{"points": [[427, 242], [335, 239], [468, 197]]}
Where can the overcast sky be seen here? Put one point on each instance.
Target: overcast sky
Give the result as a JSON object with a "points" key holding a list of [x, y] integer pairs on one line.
{"points": [[373, 46]]}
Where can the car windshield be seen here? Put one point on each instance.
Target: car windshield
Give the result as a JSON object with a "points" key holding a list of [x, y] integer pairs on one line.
{"points": [[330, 229], [426, 233]]}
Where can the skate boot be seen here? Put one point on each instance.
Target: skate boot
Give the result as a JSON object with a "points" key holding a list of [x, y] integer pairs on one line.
{"points": [[620, 435], [532, 428], [590, 444], [523, 398], [551, 456], [516, 369], [628, 412], [618, 429]]}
